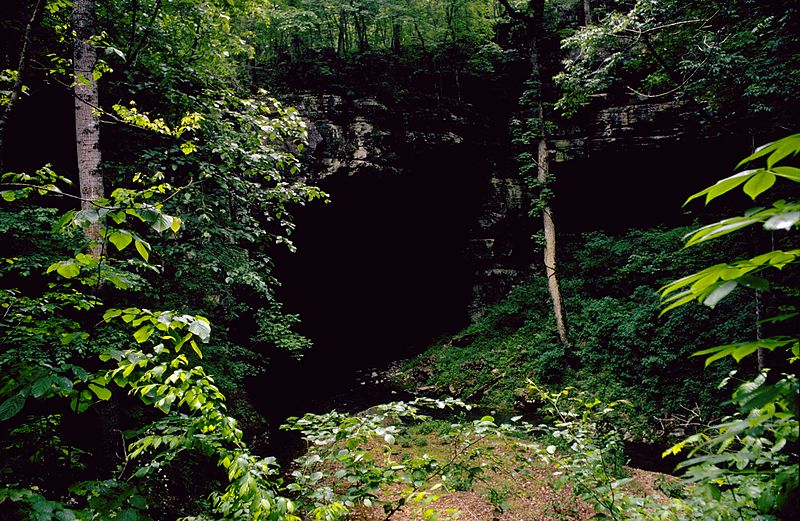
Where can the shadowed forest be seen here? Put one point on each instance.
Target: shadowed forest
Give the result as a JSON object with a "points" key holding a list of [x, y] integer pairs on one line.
{"points": [[372, 260]]}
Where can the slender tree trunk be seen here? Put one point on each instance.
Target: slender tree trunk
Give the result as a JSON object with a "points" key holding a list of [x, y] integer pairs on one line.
{"points": [[22, 71], [587, 12], [549, 225], [87, 122], [396, 37], [341, 45], [543, 167]]}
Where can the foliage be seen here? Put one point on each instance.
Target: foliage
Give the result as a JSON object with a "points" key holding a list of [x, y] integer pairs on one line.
{"points": [[226, 163], [587, 447], [751, 451], [160, 375], [620, 346], [734, 62], [350, 461]]}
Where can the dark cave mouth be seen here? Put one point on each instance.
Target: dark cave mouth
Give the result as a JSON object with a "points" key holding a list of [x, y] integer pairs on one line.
{"points": [[383, 270]]}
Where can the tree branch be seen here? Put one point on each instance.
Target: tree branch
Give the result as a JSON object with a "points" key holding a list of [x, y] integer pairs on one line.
{"points": [[514, 14]]}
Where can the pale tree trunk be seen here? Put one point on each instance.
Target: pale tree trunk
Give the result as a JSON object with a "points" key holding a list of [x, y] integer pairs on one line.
{"points": [[549, 225], [543, 170], [87, 122], [587, 12]]}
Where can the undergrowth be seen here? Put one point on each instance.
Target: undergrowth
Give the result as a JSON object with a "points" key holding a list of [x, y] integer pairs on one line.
{"points": [[619, 346]]}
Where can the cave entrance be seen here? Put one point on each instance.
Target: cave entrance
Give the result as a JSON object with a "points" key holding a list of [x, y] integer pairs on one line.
{"points": [[617, 190], [384, 269]]}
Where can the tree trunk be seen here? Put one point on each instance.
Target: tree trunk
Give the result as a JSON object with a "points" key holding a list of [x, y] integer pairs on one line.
{"points": [[587, 12], [549, 225], [536, 28], [87, 122], [396, 37], [341, 45]]}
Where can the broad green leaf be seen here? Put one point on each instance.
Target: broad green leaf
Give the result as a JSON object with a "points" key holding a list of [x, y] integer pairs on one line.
{"points": [[9, 195], [68, 269], [12, 406], [121, 239], [784, 149], [142, 247], [788, 172], [101, 392], [678, 300], [719, 229], [759, 183], [111, 313], [196, 348], [176, 224], [722, 186], [90, 215], [754, 282], [792, 141], [63, 220], [201, 328], [143, 333], [162, 222], [129, 514], [41, 386]]}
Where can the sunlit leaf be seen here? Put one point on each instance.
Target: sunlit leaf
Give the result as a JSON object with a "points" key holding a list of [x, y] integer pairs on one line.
{"points": [[120, 238], [759, 183], [783, 221], [101, 392], [143, 249]]}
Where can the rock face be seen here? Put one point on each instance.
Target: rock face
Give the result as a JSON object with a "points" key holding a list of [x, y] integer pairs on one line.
{"points": [[351, 138], [364, 137], [638, 124]]}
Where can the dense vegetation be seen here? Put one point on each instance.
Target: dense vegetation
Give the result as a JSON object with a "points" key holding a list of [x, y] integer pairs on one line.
{"points": [[138, 289]]}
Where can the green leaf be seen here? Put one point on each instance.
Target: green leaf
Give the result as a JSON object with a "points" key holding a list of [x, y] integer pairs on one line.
{"points": [[143, 333], [101, 392], [111, 313], [162, 222], [792, 142], [41, 386], [63, 220], [754, 282], [724, 227], [195, 348], [142, 247], [784, 149], [9, 195], [176, 224], [759, 183], [121, 239], [722, 186], [12, 406], [128, 514], [201, 328], [68, 269], [788, 172]]}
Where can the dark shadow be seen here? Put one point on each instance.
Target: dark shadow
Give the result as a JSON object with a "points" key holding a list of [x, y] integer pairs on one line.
{"points": [[378, 274]]}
